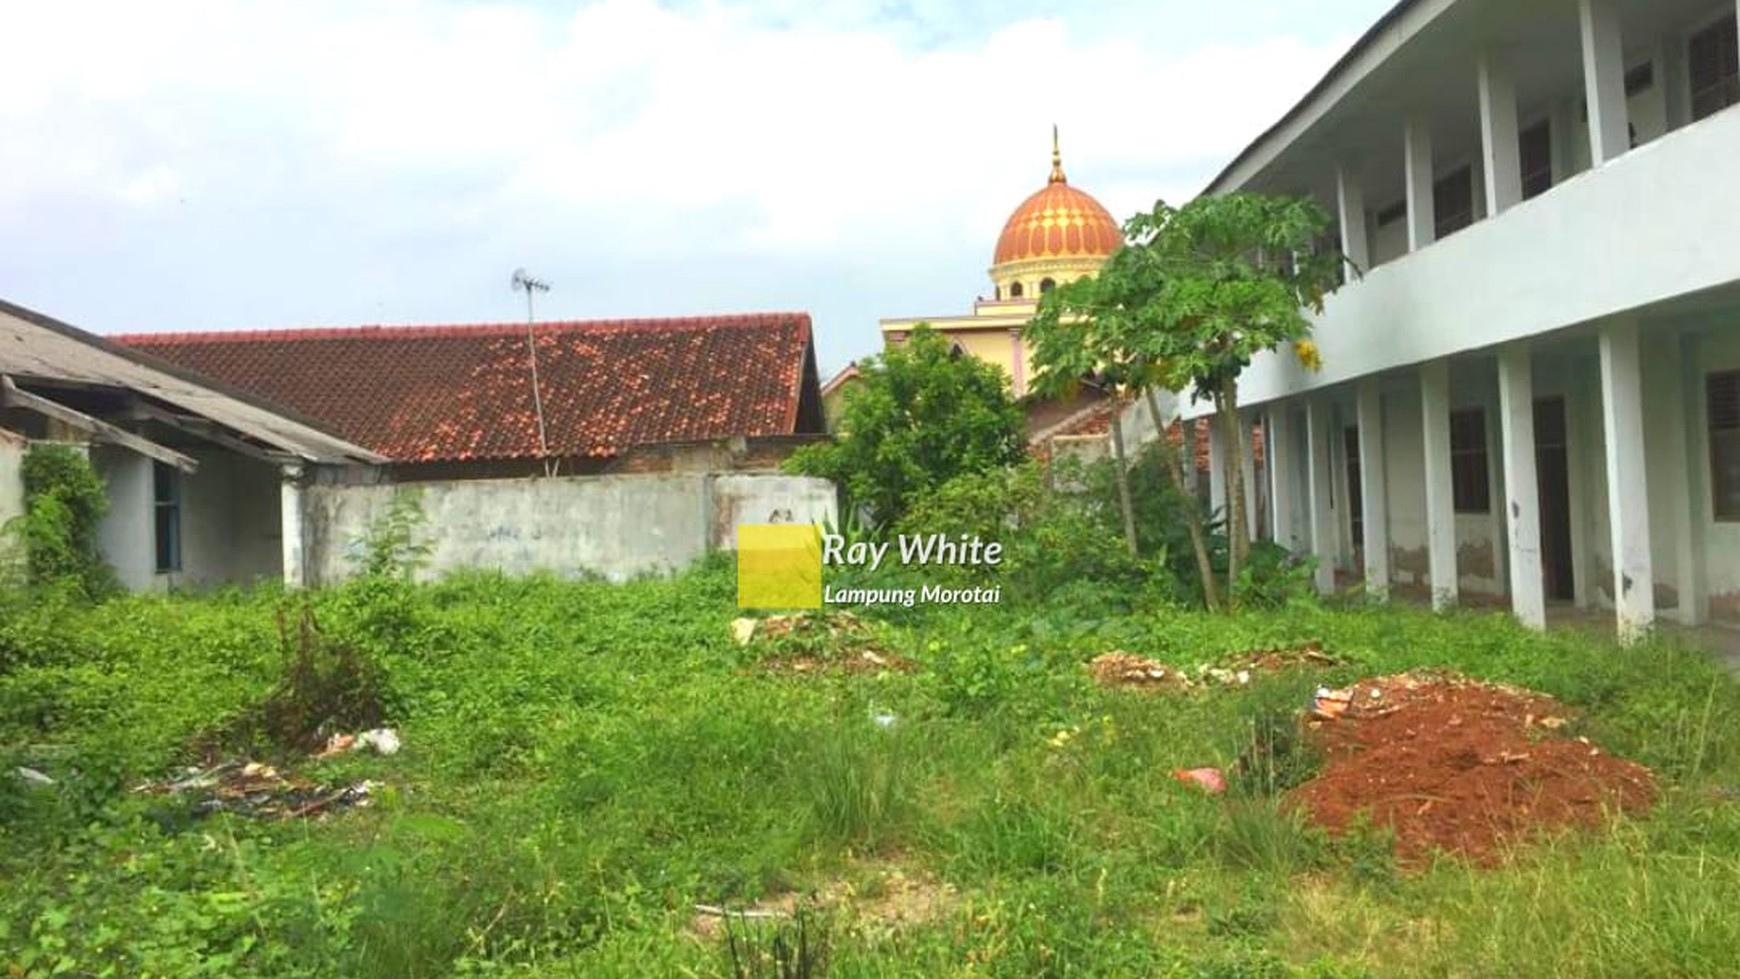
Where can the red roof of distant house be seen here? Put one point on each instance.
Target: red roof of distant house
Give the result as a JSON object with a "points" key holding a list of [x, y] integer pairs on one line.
{"points": [[453, 393]]}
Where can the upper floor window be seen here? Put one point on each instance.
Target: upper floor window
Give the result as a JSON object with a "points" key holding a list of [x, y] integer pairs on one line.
{"points": [[1046, 285], [1722, 392], [166, 507], [1470, 483], [1014, 290], [1713, 64], [1453, 202], [1536, 148]]}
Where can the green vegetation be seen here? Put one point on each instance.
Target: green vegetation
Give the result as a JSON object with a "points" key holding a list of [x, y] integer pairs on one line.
{"points": [[64, 505], [1194, 295], [584, 763], [922, 416]]}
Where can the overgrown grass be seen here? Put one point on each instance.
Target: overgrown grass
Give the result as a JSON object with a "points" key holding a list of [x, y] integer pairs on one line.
{"points": [[584, 763]]}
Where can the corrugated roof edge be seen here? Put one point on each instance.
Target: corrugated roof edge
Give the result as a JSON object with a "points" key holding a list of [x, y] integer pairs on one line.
{"points": [[136, 356], [1359, 47]]}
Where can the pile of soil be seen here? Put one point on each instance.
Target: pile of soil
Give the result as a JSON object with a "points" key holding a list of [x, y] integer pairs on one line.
{"points": [[1121, 669], [837, 642], [1462, 766]]}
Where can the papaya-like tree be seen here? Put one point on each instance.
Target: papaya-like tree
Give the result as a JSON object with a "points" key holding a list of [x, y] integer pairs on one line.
{"points": [[1194, 294]]}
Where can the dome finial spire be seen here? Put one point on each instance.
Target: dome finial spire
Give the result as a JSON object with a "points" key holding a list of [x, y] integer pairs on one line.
{"points": [[1057, 176]]}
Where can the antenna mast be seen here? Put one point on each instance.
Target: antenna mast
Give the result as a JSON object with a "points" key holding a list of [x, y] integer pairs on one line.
{"points": [[531, 286]]}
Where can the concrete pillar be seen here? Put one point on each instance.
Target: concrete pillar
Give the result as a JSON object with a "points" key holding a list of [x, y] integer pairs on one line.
{"points": [[1561, 134], [1217, 495], [1373, 487], [1440, 490], [1017, 364], [1671, 82], [1350, 211], [1686, 439], [1248, 472], [1417, 162], [1627, 485], [290, 514], [1283, 474], [1319, 429], [1604, 80], [1501, 155], [1522, 506]]}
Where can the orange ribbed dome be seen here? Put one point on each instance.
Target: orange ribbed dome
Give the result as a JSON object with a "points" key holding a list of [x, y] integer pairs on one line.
{"points": [[1058, 222]]}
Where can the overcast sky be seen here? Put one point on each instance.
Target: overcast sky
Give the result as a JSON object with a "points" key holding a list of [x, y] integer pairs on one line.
{"points": [[203, 164]]}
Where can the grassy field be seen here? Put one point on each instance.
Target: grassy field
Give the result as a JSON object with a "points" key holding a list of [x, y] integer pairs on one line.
{"points": [[583, 764]]}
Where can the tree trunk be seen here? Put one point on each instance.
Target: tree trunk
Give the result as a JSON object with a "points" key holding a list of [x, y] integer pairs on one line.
{"points": [[1238, 530], [1123, 475], [1174, 467]]}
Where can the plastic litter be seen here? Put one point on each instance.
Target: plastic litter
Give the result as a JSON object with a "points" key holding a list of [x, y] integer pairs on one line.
{"points": [[1210, 780], [384, 740], [1330, 704], [33, 776]]}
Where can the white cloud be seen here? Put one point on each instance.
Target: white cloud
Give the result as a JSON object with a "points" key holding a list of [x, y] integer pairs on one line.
{"points": [[624, 124]]}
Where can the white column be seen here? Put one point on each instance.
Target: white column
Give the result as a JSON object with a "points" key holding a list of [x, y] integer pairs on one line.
{"points": [[290, 515], [1248, 472], [1440, 491], [1283, 474], [1604, 80], [1417, 161], [1671, 82], [1350, 208], [1627, 486], [1561, 133], [1522, 506], [1217, 496], [1373, 487], [1685, 440], [1318, 425], [1501, 155]]}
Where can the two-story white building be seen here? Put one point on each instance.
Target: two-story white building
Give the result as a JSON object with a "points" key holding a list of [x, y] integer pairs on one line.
{"points": [[1532, 392]]}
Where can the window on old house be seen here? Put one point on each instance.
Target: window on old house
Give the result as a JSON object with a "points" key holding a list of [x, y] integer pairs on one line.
{"points": [[1713, 64], [1722, 392], [1470, 483], [1536, 148], [166, 513], [1453, 202]]}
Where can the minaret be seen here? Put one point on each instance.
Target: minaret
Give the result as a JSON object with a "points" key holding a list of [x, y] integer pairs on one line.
{"points": [[1057, 176]]}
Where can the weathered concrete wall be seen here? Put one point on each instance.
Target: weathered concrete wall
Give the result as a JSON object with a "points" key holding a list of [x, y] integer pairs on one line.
{"points": [[126, 536], [11, 482], [616, 526], [230, 531]]}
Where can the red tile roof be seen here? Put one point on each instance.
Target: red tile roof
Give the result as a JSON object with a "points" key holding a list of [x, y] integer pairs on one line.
{"points": [[464, 393]]}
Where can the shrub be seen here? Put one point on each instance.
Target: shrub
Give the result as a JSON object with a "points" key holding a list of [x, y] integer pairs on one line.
{"points": [[64, 504]]}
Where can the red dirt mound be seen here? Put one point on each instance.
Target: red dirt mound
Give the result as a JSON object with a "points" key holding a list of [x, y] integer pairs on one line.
{"points": [[1461, 766]]}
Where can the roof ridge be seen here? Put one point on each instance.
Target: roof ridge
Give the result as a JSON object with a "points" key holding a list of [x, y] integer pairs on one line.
{"points": [[622, 325]]}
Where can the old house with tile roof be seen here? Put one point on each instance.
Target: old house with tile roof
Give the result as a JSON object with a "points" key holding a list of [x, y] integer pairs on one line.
{"points": [[205, 482], [501, 399]]}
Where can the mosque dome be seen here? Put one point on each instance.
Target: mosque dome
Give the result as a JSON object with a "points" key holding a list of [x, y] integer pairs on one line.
{"points": [[1058, 234]]}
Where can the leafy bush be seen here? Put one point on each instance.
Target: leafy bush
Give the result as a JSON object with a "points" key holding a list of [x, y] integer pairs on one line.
{"points": [[64, 504], [922, 417], [327, 687], [1051, 540]]}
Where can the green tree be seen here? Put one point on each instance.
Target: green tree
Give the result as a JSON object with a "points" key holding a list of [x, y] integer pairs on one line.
{"points": [[1196, 292], [922, 416]]}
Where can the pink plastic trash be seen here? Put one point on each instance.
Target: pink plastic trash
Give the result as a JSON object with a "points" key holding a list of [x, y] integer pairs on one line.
{"points": [[1210, 780]]}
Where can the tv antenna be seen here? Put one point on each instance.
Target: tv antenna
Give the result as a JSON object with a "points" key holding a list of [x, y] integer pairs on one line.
{"points": [[531, 287]]}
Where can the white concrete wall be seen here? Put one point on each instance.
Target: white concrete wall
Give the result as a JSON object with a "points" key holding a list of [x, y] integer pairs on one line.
{"points": [[616, 526], [229, 521], [12, 448], [1552, 262], [126, 533]]}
